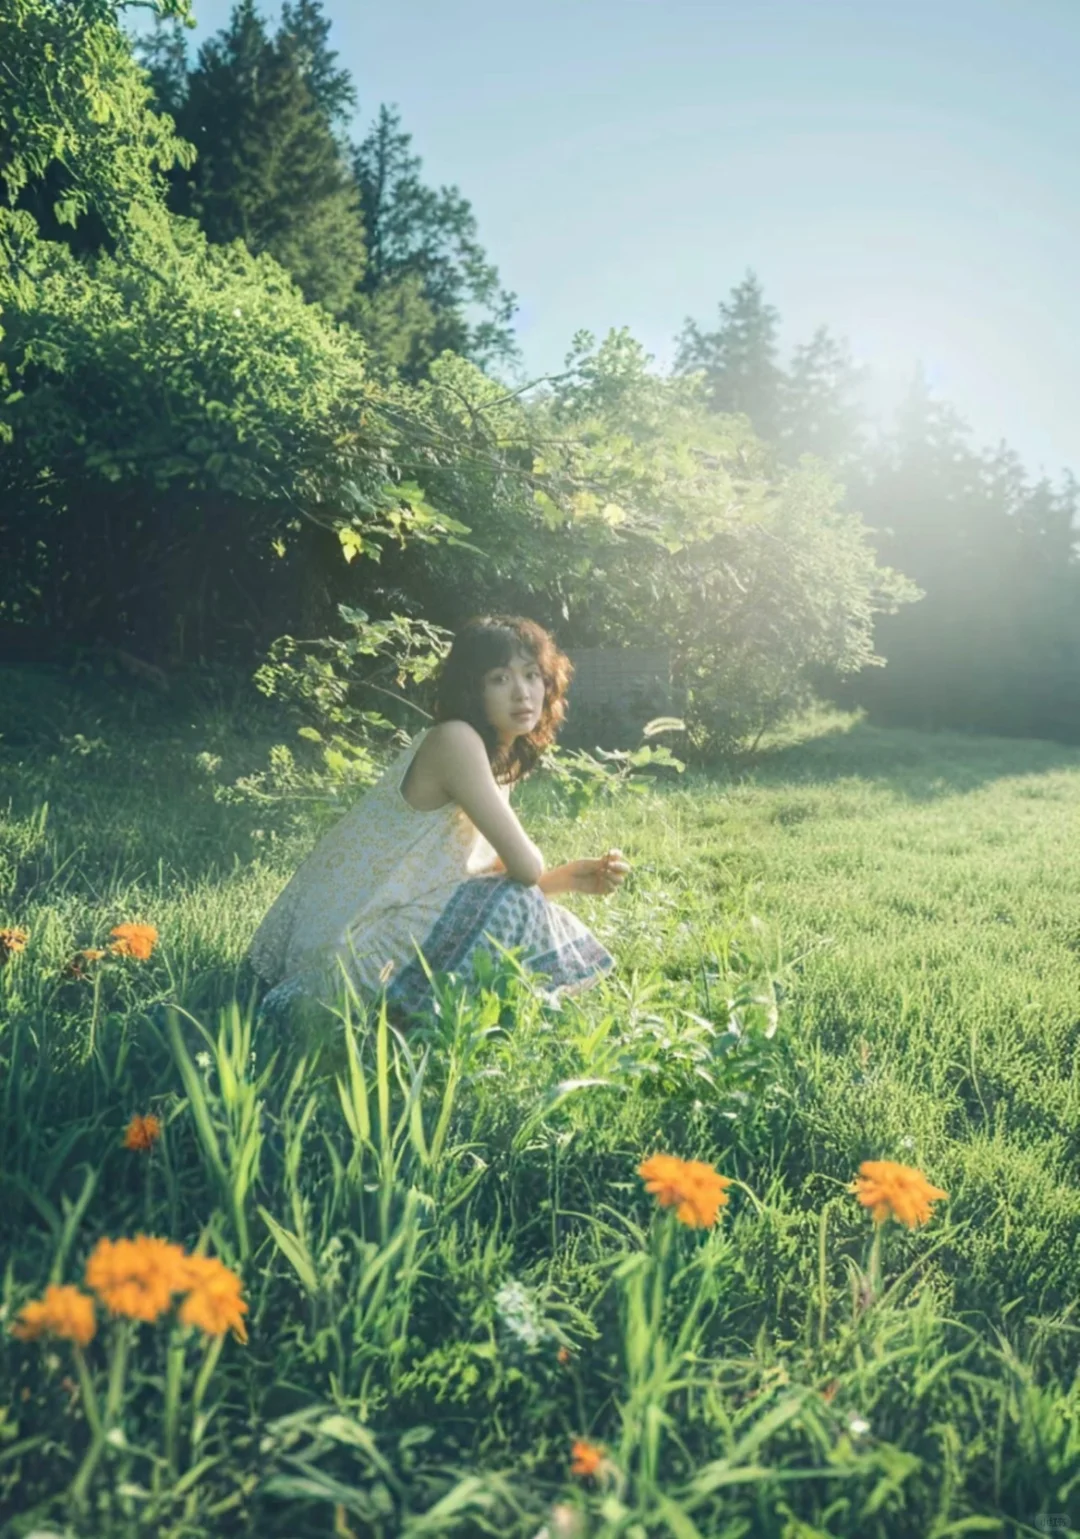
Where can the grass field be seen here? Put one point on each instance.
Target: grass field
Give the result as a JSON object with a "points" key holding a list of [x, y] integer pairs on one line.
{"points": [[866, 947]]}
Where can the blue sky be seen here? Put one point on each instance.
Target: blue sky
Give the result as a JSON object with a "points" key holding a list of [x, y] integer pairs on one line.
{"points": [[906, 173]]}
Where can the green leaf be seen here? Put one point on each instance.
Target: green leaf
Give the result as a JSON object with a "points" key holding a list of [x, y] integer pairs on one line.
{"points": [[294, 1250]]}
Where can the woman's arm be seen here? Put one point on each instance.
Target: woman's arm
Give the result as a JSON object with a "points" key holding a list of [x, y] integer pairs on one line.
{"points": [[599, 877], [459, 760]]}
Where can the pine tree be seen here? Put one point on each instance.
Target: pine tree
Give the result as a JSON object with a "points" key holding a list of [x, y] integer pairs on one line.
{"points": [[995, 642], [426, 270], [819, 410], [163, 54], [304, 33], [739, 358], [270, 170]]}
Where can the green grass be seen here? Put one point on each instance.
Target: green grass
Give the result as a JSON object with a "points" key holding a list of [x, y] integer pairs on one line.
{"points": [[866, 946]]}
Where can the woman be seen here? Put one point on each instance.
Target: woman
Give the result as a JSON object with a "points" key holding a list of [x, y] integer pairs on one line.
{"points": [[433, 856]]}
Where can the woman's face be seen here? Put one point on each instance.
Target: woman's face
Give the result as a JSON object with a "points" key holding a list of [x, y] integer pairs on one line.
{"points": [[514, 697]]}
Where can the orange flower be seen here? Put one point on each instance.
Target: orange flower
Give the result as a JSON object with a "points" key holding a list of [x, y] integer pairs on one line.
{"points": [[12, 941], [563, 1355], [64, 1311], [213, 1303], [142, 1132], [895, 1191], [586, 1458], [696, 1188], [134, 940], [136, 1278], [81, 959]]}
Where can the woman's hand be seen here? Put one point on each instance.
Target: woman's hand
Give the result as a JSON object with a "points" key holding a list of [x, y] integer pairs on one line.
{"points": [[599, 877]]}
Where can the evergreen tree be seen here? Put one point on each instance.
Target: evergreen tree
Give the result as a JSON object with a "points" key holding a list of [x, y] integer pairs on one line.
{"points": [[304, 33], [995, 642], [270, 170], [819, 410], [426, 272], [738, 358], [163, 54]]}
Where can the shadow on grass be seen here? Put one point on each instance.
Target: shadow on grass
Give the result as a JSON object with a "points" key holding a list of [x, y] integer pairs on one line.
{"points": [[920, 766], [129, 773]]}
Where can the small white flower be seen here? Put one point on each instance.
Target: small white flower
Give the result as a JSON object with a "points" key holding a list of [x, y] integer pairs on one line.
{"points": [[236, 310], [565, 1521], [857, 1426], [203, 1059], [907, 1143], [520, 1314]]}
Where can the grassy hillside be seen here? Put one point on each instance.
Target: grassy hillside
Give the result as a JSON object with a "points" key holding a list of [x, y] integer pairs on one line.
{"points": [[863, 948]]}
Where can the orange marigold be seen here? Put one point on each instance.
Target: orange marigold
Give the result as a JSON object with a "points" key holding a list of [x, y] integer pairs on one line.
{"points": [[81, 960], [134, 940], [213, 1302], [895, 1191], [11, 941], [142, 1132], [64, 1311], [692, 1187], [585, 1458], [136, 1278]]}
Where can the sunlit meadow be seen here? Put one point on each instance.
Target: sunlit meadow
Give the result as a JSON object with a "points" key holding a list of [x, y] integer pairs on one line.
{"points": [[777, 1233]]}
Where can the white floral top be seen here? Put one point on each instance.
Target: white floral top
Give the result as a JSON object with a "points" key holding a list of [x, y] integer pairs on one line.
{"points": [[373, 887]]}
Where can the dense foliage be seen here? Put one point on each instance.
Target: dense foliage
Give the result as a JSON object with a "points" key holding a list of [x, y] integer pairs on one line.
{"points": [[199, 455], [250, 379]]}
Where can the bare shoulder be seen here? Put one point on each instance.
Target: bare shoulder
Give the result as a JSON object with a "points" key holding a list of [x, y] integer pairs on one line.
{"points": [[453, 739], [452, 742]]}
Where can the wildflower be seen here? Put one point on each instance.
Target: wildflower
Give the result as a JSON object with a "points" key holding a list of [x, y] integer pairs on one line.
{"points": [[81, 960], [520, 1313], [136, 1278], [563, 1523], [142, 1132], [563, 1355], [134, 940], [585, 1458], [64, 1311], [213, 1302], [895, 1191], [857, 1426], [696, 1188], [12, 941], [203, 1060]]}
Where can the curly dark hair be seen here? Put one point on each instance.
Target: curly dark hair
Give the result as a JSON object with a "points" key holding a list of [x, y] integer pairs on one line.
{"points": [[490, 641]]}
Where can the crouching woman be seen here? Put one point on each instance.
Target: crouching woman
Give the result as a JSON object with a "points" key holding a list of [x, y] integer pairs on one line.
{"points": [[433, 858]]}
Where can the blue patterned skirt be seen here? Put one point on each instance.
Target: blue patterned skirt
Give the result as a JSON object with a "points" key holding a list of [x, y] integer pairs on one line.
{"points": [[484, 915]]}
